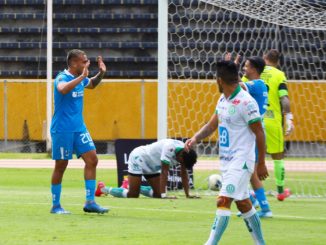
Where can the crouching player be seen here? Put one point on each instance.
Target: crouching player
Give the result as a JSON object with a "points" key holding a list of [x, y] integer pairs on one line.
{"points": [[153, 162]]}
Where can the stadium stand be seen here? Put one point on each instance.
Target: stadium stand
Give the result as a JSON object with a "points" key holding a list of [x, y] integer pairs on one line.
{"points": [[124, 32]]}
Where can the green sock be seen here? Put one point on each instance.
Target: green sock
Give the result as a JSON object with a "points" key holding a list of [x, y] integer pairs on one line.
{"points": [[146, 191], [118, 192], [279, 173]]}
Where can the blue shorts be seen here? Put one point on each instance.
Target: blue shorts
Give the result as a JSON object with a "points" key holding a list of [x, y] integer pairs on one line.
{"points": [[65, 144]]}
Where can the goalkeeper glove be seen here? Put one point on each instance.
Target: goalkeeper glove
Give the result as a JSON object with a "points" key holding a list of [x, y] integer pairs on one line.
{"points": [[289, 123]]}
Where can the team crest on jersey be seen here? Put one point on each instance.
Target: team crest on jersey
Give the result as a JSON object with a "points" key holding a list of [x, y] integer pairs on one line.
{"points": [[231, 110], [230, 188], [236, 102]]}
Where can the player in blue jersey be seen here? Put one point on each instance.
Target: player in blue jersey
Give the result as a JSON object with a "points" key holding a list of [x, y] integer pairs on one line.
{"points": [[256, 87], [68, 130]]}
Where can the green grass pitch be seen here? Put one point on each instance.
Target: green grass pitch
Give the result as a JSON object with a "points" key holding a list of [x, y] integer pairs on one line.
{"points": [[25, 219]]}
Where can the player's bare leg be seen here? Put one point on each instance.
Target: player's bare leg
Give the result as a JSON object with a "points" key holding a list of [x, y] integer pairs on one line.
{"points": [[154, 182], [59, 169], [91, 161], [134, 186]]}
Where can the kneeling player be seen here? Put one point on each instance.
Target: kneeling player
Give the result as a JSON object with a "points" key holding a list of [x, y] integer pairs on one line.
{"points": [[153, 162]]}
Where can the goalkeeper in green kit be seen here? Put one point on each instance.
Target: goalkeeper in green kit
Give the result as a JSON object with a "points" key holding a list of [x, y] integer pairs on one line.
{"points": [[278, 106]]}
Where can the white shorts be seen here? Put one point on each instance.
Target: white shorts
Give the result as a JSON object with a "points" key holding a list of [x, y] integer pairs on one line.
{"points": [[235, 184], [138, 163]]}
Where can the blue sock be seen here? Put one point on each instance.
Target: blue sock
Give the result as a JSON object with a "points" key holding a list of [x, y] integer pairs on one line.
{"points": [[261, 197], [90, 189], [56, 193]]}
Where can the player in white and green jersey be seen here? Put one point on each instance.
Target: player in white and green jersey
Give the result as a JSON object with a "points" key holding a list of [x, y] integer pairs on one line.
{"points": [[153, 162], [279, 105], [239, 126]]}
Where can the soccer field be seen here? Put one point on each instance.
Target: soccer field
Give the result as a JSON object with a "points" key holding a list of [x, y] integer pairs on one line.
{"points": [[25, 219]]}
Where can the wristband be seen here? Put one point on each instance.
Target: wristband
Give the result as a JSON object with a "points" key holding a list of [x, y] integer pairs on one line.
{"points": [[289, 116]]}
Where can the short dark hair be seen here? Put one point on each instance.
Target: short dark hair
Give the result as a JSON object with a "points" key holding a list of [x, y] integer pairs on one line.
{"points": [[189, 158], [273, 56], [227, 71], [258, 63], [74, 53]]}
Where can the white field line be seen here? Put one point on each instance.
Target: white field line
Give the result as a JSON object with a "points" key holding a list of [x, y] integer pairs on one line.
{"points": [[294, 217], [300, 166]]}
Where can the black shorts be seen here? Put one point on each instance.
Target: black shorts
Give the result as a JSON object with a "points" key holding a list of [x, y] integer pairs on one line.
{"points": [[147, 176]]}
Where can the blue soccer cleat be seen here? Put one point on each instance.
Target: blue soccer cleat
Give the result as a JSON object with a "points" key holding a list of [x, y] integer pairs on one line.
{"points": [[265, 214], [58, 210], [93, 207]]}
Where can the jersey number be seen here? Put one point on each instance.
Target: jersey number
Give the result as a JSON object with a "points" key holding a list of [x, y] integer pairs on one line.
{"points": [[85, 138]]}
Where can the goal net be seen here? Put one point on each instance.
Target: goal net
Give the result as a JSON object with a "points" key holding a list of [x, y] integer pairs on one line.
{"points": [[202, 32]]}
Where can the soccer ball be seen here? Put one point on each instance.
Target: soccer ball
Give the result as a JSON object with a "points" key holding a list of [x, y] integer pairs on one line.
{"points": [[215, 182]]}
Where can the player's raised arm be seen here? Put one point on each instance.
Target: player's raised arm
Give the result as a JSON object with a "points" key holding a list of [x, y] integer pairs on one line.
{"points": [[99, 76], [204, 132], [66, 87]]}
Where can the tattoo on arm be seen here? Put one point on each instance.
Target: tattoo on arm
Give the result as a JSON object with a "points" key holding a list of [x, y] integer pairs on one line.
{"points": [[204, 132], [208, 128], [285, 102], [97, 79]]}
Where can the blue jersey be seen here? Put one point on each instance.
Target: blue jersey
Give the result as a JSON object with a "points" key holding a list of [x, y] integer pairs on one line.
{"points": [[68, 108], [258, 90]]}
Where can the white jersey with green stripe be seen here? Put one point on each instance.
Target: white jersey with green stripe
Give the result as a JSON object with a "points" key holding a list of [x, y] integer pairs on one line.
{"points": [[162, 151], [236, 140]]}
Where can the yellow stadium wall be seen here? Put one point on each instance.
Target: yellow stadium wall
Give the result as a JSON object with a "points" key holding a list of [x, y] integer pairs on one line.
{"points": [[113, 110], [26, 101]]}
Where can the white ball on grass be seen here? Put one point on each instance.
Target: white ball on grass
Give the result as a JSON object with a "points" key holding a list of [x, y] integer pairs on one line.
{"points": [[215, 182]]}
